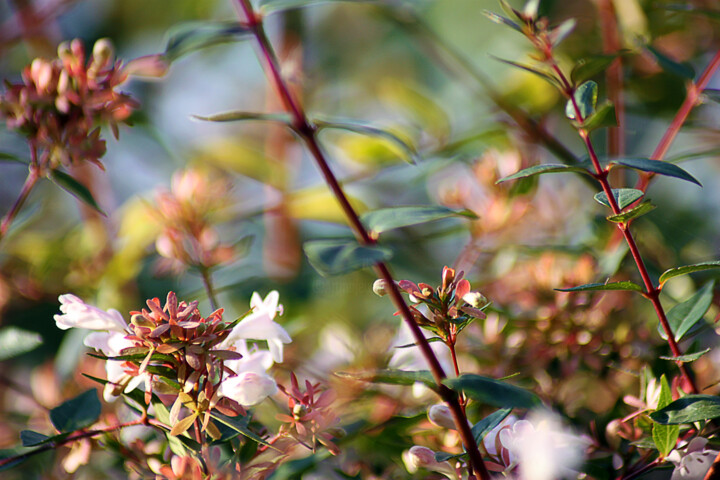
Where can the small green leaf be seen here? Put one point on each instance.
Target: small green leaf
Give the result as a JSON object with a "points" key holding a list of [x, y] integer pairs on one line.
{"points": [[444, 456], [239, 424], [670, 65], [193, 36], [484, 426], [335, 257], [683, 316], [9, 157], [267, 7], [74, 188], [625, 285], [684, 270], [656, 166], [707, 12], [689, 409], [499, 19], [541, 169], [393, 377], [493, 392], [76, 413], [603, 117], [665, 436], [15, 341], [688, 357], [586, 69], [586, 98], [31, 439], [411, 154], [531, 69], [385, 219], [623, 197], [239, 116], [633, 213]]}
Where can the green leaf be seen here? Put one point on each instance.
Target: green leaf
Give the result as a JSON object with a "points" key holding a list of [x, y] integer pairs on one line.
{"points": [[239, 116], [623, 197], [586, 69], [689, 409], [586, 98], [9, 157], [670, 65], [684, 270], [239, 425], [656, 166], [393, 377], [531, 69], [335, 257], [665, 436], [633, 213], [484, 426], [74, 188], [541, 169], [411, 154], [500, 20], [15, 341], [385, 219], [193, 36], [625, 285], [444, 456], [493, 392], [683, 316], [76, 413], [603, 117], [31, 439], [688, 357], [267, 7]]}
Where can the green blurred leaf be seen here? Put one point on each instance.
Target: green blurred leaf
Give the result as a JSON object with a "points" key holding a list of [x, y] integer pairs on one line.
{"points": [[585, 97], [493, 392], [500, 20], [74, 188], [586, 69], [384, 219], [683, 316], [444, 456], [31, 439], [689, 409], [267, 7], [626, 285], [15, 341], [670, 65], [239, 116], [190, 37], [335, 257], [239, 424], [484, 426], [623, 197], [531, 69], [688, 357], [541, 169], [665, 436], [684, 270], [77, 413], [393, 377], [603, 117], [638, 211], [9, 157], [656, 166]]}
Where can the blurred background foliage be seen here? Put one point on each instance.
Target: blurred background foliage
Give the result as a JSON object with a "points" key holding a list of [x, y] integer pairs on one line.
{"points": [[410, 67]]}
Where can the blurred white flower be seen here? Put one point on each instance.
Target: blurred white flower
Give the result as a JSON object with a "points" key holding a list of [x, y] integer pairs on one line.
{"points": [[248, 388], [693, 461], [78, 314], [489, 440], [441, 416]]}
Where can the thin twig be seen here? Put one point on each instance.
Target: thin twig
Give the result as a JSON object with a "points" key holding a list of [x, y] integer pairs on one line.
{"points": [[30, 181]]}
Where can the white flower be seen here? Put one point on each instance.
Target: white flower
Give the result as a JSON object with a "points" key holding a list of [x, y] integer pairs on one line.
{"points": [[544, 451], [491, 436], [441, 416], [259, 325], [78, 314], [693, 462], [422, 457], [252, 384]]}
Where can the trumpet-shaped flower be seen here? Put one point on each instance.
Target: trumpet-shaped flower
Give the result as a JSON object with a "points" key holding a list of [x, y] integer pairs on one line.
{"points": [[693, 461], [78, 314]]}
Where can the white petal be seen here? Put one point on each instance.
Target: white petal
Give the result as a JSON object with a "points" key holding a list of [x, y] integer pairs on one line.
{"points": [[248, 388]]}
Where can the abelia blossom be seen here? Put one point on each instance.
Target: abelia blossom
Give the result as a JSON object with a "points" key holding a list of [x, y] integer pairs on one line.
{"points": [[693, 461]]}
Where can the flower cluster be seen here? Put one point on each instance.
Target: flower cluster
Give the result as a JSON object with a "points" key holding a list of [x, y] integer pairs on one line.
{"points": [[188, 238], [61, 103]]}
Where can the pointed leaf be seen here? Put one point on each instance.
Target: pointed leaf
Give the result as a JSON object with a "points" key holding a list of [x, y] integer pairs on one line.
{"points": [[493, 392], [689, 409], [9, 157], [603, 117], [623, 197], [670, 65], [633, 213], [529, 68], [499, 19], [183, 425], [239, 424], [74, 188], [76, 413], [15, 341], [683, 316], [393, 377], [586, 69], [385, 219], [625, 285], [190, 37], [484, 426], [585, 98], [541, 169], [30, 438], [688, 357], [444, 456], [335, 257], [239, 116], [665, 436], [267, 7], [684, 270], [656, 166]]}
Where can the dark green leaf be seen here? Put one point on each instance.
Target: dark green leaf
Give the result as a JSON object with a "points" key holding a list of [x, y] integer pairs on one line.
{"points": [[688, 357], [531, 69], [385, 219], [190, 37], [671, 66], [15, 341], [9, 157], [444, 456], [626, 285], [76, 413], [585, 100], [683, 316], [493, 392], [638, 211], [499, 19], [665, 436], [623, 197], [239, 424], [603, 117], [484, 426], [656, 166], [393, 377], [335, 257], [541, 169], [411, 154], [267, 7], [586, 69], [74, 188], [238, 116], [699, 154], [30, 438], [684, 270], [689, 409]]}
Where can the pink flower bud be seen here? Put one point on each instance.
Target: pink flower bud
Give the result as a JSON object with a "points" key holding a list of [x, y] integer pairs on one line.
{"points": [[418, 457], [440, 415]]}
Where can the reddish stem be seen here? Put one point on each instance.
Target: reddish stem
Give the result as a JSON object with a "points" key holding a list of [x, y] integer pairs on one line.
{"points": [[307, 132], [30, 181]]}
